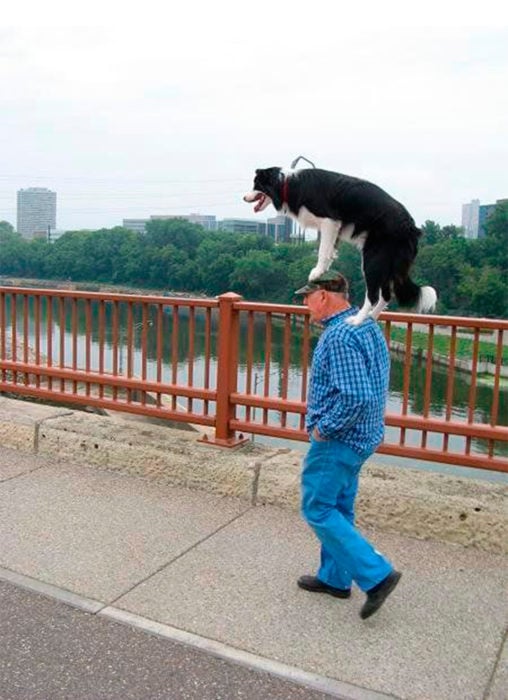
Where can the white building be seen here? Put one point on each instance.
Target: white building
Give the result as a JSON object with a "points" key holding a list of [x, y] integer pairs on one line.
{"points": [[207, 221], [137, 225], [471, 218], [36, 211], [475, 215]]}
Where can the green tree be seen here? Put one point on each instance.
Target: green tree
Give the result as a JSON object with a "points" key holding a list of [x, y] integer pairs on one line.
{"points": [[257, 275], [496, 225], [177, 232], [13, 252], [485, 290], [6, 227], [431, 232]]}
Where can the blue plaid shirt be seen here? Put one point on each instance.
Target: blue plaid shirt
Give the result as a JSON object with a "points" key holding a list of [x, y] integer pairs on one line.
{"points": [[349, 383]]}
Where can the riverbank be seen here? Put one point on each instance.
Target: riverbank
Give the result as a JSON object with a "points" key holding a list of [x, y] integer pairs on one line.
{"points": [[96, 287]]}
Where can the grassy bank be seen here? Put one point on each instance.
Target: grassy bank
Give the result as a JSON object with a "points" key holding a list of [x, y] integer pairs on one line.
{"points": [[463, 350]]}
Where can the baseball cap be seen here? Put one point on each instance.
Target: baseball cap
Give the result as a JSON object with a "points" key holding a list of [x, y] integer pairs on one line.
{"points": [[331, 281]]}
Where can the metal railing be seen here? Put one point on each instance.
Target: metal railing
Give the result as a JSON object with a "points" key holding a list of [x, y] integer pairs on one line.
{"points": [[237, 367]]}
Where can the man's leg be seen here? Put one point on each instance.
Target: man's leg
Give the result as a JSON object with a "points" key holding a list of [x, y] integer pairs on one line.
{"points": [[329, 471], [332, 572]]}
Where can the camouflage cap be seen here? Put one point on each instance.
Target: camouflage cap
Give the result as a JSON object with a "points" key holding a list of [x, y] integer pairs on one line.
{"points": [[331, 281]]}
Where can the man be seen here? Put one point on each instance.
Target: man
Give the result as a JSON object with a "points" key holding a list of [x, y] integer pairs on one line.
{"points": [[345, 422]]}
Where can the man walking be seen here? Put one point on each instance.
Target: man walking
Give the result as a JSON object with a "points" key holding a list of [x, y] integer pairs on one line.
{"points": [[345, 422]]}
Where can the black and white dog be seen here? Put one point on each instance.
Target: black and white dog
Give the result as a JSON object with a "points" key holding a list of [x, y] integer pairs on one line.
{"points": [[347, 208]]}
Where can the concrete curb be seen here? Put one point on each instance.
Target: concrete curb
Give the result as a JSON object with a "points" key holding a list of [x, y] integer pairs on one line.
{"points": [[420, 504]]}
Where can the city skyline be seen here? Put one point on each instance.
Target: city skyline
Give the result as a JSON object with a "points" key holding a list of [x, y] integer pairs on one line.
{"points": [[468, 219]]}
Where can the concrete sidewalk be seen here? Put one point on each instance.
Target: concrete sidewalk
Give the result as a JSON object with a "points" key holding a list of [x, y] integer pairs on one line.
{"points": [[219, 573]]}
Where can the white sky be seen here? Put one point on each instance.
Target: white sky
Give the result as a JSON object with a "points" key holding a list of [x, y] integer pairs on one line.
{"points": [[169, 107]]}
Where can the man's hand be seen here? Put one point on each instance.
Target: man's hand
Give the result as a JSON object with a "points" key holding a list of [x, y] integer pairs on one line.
{"points": [[317, 436]]}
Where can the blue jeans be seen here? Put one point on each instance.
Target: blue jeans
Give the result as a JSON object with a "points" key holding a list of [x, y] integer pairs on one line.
{"points": [[329, 486]]}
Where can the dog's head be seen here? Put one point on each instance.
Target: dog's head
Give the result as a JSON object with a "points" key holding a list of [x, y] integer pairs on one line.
{"points": [[267, 189]]}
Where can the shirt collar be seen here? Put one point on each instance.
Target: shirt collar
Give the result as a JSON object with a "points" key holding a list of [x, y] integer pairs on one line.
{"points": [[340, 314]]}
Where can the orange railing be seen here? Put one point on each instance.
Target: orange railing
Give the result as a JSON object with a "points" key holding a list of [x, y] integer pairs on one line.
{"points": [[239, 367]]}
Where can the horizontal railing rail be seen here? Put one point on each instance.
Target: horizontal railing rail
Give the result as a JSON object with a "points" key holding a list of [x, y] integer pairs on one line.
{"points": [[237, 367]]}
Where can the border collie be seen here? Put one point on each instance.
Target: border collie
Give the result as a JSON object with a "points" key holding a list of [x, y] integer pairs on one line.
{"points": [[347, 208]]}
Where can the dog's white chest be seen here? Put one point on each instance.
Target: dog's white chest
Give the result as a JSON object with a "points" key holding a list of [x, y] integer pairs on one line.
{"points": [[306, 219]]}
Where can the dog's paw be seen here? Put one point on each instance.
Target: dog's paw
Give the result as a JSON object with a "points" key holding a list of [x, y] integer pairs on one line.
{"points": [[355, 320], [316, 272]]}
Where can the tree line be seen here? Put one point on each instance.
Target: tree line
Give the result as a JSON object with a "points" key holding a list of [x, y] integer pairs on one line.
{"points": [[175, 255]]}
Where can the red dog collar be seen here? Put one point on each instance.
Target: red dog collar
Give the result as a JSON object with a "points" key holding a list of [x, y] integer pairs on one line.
{"points": [[285, 185]]}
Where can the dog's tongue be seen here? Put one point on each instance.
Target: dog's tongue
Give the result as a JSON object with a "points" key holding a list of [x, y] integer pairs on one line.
{"points": [[260, 201]]}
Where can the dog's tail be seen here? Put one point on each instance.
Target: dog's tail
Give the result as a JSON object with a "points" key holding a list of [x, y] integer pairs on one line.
{"points": [[410, 296]]}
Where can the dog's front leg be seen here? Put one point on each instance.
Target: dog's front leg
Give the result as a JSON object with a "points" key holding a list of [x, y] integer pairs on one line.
{"points": [[329, 233]]}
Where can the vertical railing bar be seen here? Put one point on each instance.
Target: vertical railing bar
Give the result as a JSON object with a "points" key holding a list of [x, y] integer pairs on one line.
{"points": [[190, 364], [268, 358], [26, 343], [88, 342], [428, 382], [102, 340], [450, 383], [49, 336], [159, 349], [14, 335], [61, 321], [285, 365], [144, 337], [473, 386], [495, 391], [249, 362], [115, 345], [37, 323], [74, 332], [130, 341], [227, 368], [406, 377], [208, 340], [174, 353]]}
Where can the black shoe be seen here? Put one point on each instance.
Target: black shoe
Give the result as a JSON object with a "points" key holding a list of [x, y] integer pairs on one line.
{"points": [[313, 584], [377, 595]]}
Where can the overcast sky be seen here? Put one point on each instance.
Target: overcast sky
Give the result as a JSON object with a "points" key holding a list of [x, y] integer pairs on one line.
{"points": [[168, 108]]}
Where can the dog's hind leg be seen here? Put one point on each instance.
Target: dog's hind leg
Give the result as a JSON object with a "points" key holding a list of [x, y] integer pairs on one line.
{"points": [[329, 233], [362, 315], [377, 288], [383, 301]]}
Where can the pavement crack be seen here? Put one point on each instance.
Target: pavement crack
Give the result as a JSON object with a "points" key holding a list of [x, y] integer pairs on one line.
{"points": [[23, 473], [495, 667], [179, 556]]}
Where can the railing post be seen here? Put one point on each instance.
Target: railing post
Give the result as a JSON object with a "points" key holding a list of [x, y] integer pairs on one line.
{"points": [[227, 373]]}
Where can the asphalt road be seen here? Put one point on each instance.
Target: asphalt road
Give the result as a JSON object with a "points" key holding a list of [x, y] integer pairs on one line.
{"points": [[50, 651]]}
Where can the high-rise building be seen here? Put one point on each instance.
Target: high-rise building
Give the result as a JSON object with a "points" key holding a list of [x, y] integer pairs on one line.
{"points": [[470, 218], [280, 228], [36, 211], [243, 226], [474, 217]]}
